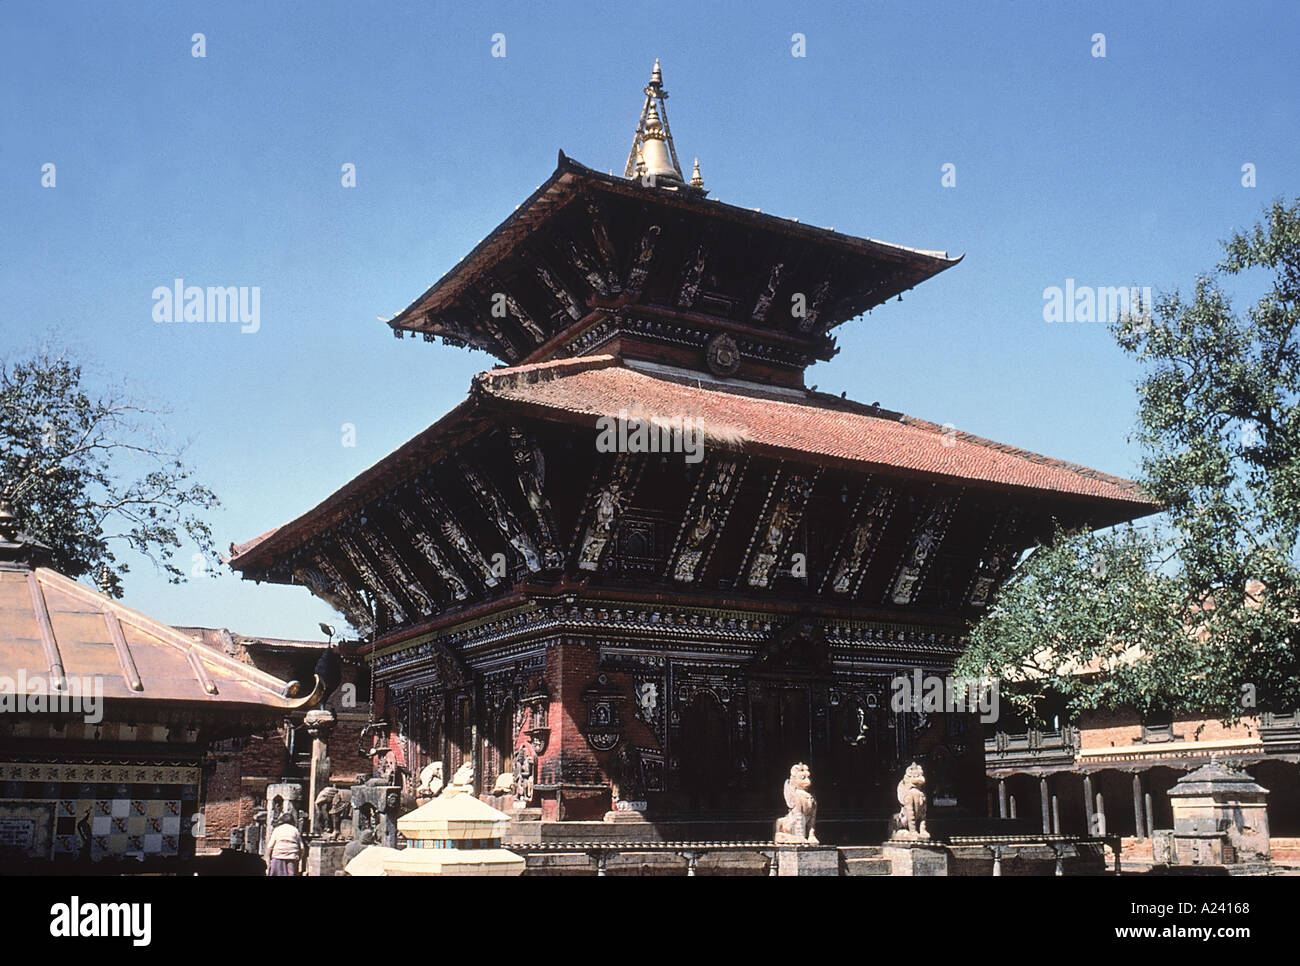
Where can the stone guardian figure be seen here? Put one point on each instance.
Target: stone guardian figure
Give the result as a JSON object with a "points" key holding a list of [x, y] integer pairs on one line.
{"points": [[909, 823], [797, 826]]}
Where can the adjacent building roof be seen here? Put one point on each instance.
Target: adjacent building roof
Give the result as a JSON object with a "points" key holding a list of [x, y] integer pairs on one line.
{"points": [[52, 628]]}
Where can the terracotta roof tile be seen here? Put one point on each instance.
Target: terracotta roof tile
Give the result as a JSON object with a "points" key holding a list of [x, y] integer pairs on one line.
{"points": [[805, 425]]}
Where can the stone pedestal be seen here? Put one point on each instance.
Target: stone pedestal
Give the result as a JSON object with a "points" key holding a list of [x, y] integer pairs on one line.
{"points": [[625, 816], [1220, 818], [805, 860], [279, 797], [919, 860], [378, 803], [325, 858]]}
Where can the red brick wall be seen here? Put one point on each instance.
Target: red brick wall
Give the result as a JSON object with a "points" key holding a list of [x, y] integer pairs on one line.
{"points": [[235, 784], [1123, 729]]}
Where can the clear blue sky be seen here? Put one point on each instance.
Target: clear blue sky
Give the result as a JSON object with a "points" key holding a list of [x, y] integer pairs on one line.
{"points": [[226, 171]]}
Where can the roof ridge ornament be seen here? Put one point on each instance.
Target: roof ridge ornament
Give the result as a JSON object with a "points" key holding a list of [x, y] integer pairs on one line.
{"points": [[653, 157], [16, 545]]}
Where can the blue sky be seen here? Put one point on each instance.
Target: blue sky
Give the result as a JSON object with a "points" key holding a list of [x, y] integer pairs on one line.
{"points": [[225, 170]]}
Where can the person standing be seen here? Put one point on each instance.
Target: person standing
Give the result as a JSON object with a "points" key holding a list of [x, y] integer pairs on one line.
{"points": [[284, 848]]}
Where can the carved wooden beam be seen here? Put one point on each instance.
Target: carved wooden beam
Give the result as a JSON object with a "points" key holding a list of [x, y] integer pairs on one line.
{"points": [[323, 579], [867, 524], [607, 252], [499, 513], [764, 301], [644, 260], [382, 550], [609, 501], [454, 536], [692, 275], [521, 317], [705, 517], [778, 523], [429, 549], [998, 557], [373, 582], [569, 304], [927, 535], [531, 463]]}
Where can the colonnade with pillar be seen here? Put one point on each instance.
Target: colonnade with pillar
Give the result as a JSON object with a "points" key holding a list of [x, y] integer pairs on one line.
{"points": [[1096, 803]]}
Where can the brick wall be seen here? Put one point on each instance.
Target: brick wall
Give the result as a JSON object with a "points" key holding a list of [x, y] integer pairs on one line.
{"points": [[1123, 729]]}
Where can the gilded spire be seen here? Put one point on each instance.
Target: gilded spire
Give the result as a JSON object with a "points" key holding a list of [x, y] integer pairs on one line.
{"points": [[653, 157], [696, 180]]}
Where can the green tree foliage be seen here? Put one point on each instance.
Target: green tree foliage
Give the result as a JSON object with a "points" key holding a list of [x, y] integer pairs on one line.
{"points": [[89, 475], [1210, 596]]}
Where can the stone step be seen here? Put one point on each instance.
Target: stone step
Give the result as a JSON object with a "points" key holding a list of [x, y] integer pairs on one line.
{"points": [[848, 852], [865, 867]]}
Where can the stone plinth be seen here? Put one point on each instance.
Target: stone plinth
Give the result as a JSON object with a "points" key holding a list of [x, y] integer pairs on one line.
{"points": [[807, 860], [377, 802], [625, 817], [280, 796], [476, 862], [325, 858], [914, 859]]}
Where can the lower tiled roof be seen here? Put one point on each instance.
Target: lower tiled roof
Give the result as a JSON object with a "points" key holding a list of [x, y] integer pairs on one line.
{"points": [[800, 424]]}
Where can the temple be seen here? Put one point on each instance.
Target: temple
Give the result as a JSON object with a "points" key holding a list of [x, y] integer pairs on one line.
{"points": [[643, 568]]}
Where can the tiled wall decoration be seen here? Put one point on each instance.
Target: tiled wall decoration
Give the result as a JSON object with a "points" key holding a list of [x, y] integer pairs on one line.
{"points": [[127, 809]]}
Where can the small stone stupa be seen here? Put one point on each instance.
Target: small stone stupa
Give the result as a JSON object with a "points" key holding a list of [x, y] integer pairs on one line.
{"points": [[453, 835]]}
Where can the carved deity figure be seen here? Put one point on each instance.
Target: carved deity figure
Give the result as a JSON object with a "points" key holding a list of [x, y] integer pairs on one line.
{"points": [[909, 823], [524, 773], [797, 826]]}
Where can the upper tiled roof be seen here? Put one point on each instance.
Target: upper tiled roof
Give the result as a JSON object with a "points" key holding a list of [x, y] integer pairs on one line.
{"points": [[802, 424]]}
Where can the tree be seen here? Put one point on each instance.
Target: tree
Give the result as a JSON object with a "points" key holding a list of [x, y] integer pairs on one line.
{"points": [[1198, 612], [88, 475]]}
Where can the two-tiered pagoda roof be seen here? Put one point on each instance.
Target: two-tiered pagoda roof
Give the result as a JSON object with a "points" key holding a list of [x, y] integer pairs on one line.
{"points": [[611, 296]]}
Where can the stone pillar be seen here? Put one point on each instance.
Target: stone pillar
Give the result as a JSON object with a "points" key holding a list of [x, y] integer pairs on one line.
{"points": [[1088, 814], [1056, 815], [1151, 815], [1044, 796], [1139, 825], [1101, 815], [1002, 798], [1012, 801], [319, 722]]}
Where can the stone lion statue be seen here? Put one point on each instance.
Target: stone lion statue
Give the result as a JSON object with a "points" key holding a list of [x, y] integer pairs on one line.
{"points": [[909, 823], [461, 782], [430, 781], [797, 826]]}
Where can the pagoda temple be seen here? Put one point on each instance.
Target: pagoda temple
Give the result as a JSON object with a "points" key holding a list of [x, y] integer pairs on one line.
{"points": [[666, 629]]}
